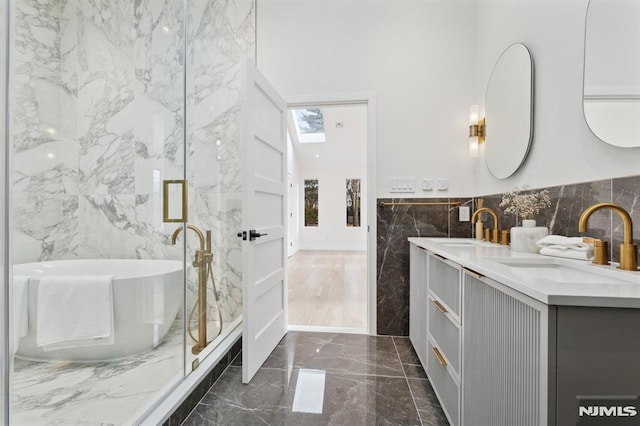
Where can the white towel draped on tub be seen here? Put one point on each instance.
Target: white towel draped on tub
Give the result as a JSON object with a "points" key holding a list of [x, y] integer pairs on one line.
{"points": [[74, 311], [20, 316], [569, 247]]}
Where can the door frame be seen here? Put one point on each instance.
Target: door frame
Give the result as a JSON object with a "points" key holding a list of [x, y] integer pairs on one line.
{"points": [[368, 99]]}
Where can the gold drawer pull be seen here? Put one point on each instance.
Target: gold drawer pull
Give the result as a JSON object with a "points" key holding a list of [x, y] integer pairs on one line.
{"points": [[440, 307], [441, 359], [473, 273]]}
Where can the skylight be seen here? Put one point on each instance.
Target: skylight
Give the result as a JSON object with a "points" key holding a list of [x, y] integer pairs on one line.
{"points": [[309, 125]]}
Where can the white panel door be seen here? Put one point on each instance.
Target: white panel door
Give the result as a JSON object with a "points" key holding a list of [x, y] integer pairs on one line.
{"points": [[264, 251]]}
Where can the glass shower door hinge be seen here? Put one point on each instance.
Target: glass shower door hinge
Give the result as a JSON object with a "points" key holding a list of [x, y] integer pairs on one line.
{"points": [[195, 364]]}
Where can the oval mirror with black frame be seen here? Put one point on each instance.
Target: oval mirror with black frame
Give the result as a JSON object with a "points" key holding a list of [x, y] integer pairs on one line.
{"points": [[509, 112], [611, 96]]}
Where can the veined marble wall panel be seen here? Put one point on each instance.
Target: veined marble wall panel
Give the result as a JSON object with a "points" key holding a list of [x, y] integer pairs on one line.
{"points": [[105, 35], [106, 139], [99, 123], [221, 33], [561, 217], [49, 220], [395, 224]]}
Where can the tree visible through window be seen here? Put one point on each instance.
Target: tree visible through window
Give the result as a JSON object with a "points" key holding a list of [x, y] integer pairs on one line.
{"points": [[353, 202], [311, 202]]}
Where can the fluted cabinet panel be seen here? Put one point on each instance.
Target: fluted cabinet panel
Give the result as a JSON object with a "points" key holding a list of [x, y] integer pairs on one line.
{"points": [[504, 364]]}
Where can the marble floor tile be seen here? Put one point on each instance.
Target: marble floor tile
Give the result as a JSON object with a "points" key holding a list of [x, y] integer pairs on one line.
{"points": [[365, 384], [115, 392], [100, 393], [427, 403], [337, 353], [410, 361], [349, 400]]}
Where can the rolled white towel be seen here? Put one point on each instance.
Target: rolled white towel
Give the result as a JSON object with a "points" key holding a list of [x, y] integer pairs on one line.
{"points": [[567, 253], [565, 243]]}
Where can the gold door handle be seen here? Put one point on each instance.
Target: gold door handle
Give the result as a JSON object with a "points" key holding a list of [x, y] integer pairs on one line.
{"points": [[184, 214], [440, 307], [441, 359]]}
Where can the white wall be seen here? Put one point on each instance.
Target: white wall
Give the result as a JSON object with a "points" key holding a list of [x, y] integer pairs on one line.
{"points": [[293, 201], [564, 150], [416, 55], [332, 232]]}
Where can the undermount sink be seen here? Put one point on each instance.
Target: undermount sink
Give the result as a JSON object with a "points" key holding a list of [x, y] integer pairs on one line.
{"points": [[467, 243], [558, 271]]}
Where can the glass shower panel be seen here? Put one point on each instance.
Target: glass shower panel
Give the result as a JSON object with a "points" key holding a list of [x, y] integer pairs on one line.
{"points": [[97, 124], [219, 35], [5, 366]]}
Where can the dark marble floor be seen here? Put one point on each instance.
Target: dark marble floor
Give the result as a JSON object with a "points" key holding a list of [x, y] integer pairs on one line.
{"points": [[369, 380]]}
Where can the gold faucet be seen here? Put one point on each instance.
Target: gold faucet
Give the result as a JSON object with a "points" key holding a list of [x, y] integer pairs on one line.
{"points": [[496, 231], [628, 250], [201, 261]]}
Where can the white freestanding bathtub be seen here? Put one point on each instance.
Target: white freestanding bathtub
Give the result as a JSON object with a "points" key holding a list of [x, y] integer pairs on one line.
{"points": [[147, 295]]}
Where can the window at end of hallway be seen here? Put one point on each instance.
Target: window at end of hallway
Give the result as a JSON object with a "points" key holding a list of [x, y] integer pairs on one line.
{"points": [[353, 202], [311, 202]]}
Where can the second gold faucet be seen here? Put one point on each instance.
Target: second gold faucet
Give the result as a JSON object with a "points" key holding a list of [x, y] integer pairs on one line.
{"points": [[628, 250], [495, 238]]}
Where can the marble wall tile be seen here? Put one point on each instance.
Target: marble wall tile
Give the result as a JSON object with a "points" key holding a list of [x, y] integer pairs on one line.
{"points": [[36, 77], [56, 231], [212, 34], [625, 193], [105, 35], [567, 204], [395, 224], [159, 34], [562, 217]]}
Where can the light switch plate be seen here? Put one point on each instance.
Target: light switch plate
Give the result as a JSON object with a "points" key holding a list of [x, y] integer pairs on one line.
{"points": [[427, 184], [402, 185], [442, 184]]}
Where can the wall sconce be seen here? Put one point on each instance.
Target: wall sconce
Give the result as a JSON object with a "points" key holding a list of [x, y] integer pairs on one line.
{"points": [[476, 131]]}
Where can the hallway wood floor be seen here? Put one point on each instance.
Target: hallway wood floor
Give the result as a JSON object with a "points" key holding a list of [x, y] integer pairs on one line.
{"points": [[328, 288]]}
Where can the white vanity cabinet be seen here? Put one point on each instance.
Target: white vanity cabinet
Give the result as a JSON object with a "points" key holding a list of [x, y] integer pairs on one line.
{"points": [[418, 300], [486, 344], [443, 333], [505, 347]]}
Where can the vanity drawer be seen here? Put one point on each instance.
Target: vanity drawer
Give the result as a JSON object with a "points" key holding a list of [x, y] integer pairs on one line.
{"points": [[444, 279], [446, 388], [444, 332]]}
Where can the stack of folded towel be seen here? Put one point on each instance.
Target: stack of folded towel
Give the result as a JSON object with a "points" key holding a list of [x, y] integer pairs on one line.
{"points": [[569, 247]]}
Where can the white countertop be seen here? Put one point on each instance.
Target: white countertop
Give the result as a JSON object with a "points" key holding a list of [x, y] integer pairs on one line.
{"points": [[551, 280]]}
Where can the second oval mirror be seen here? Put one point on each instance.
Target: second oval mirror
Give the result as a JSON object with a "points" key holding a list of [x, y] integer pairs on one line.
{"points": [[509, 112], [612, 71]]}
